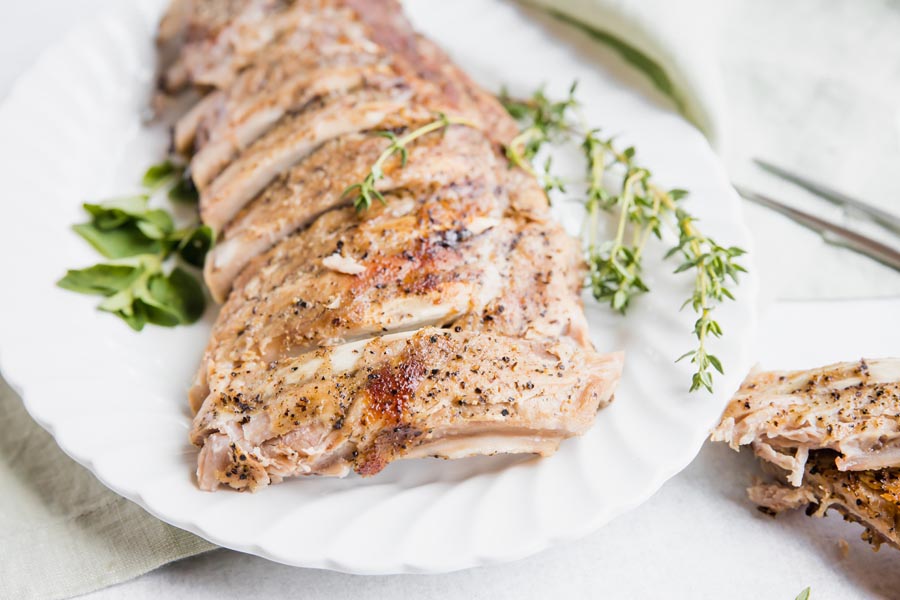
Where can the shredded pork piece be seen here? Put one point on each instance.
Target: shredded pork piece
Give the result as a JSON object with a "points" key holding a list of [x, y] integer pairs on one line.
{"points": [[851, 408], [831, 439]]}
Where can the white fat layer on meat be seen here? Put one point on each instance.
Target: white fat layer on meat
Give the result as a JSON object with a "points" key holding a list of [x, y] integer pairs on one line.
{"points": [[224, 253], [414, 311], [884, 370], [491, 286], [482, 224], [397, 207], [344, 357], [343, 264], [304, 371], [187, 125]]}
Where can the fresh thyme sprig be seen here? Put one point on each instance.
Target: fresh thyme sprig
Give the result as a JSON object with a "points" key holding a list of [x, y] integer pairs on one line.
{"points": [[641, 209], [547, 122], [365, 192]]}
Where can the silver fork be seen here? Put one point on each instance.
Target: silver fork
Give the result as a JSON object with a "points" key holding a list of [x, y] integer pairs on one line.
{"points": [[832, 232]]}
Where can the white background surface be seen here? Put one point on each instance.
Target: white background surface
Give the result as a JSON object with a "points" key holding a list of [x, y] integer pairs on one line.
{"points": [[815, 85]]}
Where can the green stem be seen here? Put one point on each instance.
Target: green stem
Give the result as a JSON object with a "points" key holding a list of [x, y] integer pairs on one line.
{"points": [[404, 141], [515, 149]]}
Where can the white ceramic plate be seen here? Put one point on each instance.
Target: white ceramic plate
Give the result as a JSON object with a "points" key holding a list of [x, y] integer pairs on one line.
{"points": [[115, 401]]}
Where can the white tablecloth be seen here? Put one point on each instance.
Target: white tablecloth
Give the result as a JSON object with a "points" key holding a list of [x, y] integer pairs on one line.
{"points": [[811, 84]]}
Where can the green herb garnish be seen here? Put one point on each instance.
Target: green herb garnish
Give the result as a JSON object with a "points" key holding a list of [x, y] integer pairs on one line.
{"points": [[175, 177], [184, 190], [157, 175], [804, 595], [140, 240], [194, 243], [365, 192], [546, 121], [125, 227], [641, 208], [139, 292]]}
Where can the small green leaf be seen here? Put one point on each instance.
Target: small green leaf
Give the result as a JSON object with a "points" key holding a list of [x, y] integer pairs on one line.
{"points": [[117, 212], [103, 280], [125, 227], [696, 382], [351, 190], [804, 595], [686, 355], [672, 252], [157, 175], [153, 230], [181, 294], [160, 316], [159, 223], [184, 191], [195, 244], [620, 300], [136, 319], [117, 243], [119, 302], [684, 267]]}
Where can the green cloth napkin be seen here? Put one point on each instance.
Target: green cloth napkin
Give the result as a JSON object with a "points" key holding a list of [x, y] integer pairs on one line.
{"points": [[62, 533], [668, 41]]}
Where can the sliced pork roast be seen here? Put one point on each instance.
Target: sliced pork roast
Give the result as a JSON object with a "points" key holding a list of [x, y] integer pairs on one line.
{"points": [[445, 321]]}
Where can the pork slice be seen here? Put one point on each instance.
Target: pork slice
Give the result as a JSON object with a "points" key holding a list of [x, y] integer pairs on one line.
{"points": [[207, 43], [345, 278], [425, 61], [543, 272], [263, 94], [289, 142], [473, 277], [431, 392], [852, 408], [244, 124], [456, 157], [279, 78]]}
